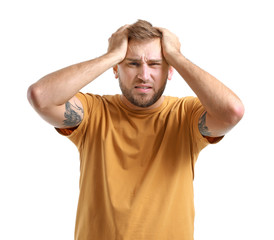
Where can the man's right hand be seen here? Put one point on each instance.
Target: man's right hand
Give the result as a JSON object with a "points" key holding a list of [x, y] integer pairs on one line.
{"points": [[118, 43], [53, 96]]}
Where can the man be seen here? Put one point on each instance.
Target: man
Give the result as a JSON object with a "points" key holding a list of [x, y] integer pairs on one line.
{"points": [[137, 149]]}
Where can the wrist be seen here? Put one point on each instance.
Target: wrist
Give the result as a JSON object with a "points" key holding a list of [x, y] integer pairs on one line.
{"points": [[173, 58], [115, 57]]}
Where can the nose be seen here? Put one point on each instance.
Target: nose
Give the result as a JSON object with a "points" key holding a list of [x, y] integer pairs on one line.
{"points": [[144, 72]]}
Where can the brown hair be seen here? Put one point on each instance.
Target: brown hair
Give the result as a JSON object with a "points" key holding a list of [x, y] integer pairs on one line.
{"points": [[143, 30]]}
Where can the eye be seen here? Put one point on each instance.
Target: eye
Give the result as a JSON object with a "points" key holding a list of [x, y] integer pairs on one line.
{"points": [[154, 63], [136, 64]]}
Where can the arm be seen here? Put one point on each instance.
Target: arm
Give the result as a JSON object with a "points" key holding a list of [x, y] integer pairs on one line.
{"points": [[53, 96], [223, 109]]}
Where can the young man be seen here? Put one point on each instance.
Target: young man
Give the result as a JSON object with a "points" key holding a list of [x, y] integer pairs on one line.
{"points": [[137, 149]]}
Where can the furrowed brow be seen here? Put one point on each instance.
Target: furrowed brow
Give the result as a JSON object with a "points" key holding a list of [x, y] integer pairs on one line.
{"points": [[139, 60], [155, 61], [133, 60]]}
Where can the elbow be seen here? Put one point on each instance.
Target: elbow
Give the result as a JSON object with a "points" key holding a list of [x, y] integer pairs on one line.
{"points": [[34, 95], [236, 113]]}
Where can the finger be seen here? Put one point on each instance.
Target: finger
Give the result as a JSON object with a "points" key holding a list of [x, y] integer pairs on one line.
{"points": [[160, 29], [120, 30], [123, 28]]}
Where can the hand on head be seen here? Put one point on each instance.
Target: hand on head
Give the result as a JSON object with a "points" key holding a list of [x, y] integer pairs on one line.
{"points": [[118, 42], [171, 45]]}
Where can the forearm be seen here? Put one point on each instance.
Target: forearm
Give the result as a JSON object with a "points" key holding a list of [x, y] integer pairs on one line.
{"points": [[58, 87], [223, 108], [219, 101]]}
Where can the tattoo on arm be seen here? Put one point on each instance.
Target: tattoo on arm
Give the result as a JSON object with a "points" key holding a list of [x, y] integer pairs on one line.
{"points": [[72, 116], [202, 126]]}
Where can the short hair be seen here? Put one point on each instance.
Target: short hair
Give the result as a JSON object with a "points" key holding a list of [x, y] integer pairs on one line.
{"points": [[143, 30]]}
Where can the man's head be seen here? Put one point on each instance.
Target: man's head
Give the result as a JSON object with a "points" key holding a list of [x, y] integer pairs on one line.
{"points": [[144, 71], [143, 31]]}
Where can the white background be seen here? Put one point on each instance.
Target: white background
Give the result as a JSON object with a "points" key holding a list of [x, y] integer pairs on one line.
{"points": [[39, 170]]}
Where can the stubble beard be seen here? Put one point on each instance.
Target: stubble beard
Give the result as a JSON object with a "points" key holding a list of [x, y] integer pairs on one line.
{"points": [[142, 99]]}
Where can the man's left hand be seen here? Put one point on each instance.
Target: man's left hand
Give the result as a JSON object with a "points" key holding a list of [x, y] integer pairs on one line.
{"points": [[170, 44]]}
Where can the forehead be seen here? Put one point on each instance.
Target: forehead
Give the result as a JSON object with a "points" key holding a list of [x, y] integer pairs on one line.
{"points": [[150, 49]]}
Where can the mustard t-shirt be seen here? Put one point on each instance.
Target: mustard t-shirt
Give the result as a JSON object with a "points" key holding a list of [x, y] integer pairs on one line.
{"points": [[137, 169]]}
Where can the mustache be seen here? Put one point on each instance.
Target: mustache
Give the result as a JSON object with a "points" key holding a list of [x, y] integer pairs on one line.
{"points": [[141, 81]]}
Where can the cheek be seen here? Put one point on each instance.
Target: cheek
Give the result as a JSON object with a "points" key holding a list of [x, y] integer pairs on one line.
{"points": [[161, 75], [123, 71], [128, 75]]}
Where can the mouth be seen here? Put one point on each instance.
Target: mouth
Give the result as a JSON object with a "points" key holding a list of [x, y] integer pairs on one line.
{"points": [[143, 88]]}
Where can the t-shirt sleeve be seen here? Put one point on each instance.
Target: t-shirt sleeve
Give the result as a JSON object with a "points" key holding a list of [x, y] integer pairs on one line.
{"points": [[194, 109], [77, 135], [194, 112]]}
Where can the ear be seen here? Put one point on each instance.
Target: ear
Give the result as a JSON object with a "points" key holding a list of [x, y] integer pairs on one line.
{"points": [[170, 72], [115, 71]]}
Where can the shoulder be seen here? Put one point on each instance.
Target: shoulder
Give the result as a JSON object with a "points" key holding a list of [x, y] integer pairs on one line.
{"points": [[185, 103], [93, 101]]}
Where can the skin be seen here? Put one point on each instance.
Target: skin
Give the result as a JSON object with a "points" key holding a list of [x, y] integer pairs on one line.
{"points": [[223, 108], [142, 69], [143, 74], [50, 95]]}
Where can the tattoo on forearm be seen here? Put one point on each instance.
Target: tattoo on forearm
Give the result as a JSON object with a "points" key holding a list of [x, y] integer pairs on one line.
{"points": [[72, 116], [202, 126]]}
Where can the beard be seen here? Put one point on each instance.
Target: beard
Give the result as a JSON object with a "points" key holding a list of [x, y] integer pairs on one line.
{"points": [[142, 99]]}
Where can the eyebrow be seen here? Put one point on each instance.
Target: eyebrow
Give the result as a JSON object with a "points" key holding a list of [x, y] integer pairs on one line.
{"points": [[139, 60]]}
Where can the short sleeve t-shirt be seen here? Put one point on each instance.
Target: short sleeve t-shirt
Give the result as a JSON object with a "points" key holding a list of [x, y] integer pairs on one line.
{"points": [[137, 169]]}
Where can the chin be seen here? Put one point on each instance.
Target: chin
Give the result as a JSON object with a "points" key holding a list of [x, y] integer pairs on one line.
{"points": [[143, 101]]}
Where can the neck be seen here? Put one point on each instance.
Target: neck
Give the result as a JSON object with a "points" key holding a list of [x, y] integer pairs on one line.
{"points": [[137, 108]]}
